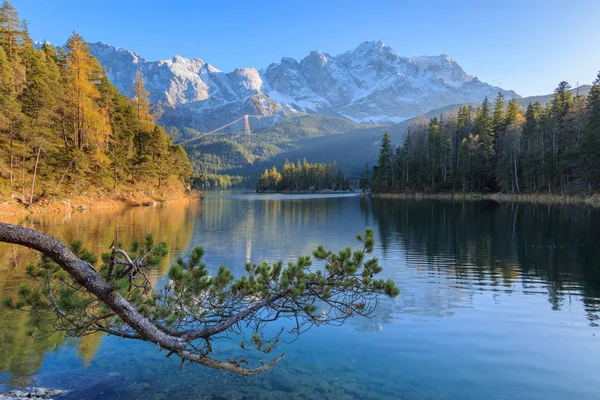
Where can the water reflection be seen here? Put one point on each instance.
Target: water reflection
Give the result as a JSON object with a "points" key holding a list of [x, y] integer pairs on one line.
{"points": [[530, 248], [22, 342], [486, 290]]}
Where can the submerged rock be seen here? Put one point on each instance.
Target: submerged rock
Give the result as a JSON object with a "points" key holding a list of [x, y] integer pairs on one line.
{"points": [[32, 393]]}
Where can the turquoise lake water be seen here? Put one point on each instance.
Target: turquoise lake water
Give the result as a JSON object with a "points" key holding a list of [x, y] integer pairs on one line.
{"points": [[498, 301]]}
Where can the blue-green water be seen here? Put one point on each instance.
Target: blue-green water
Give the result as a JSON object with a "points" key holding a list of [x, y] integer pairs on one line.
{"points": [[498, 301]]}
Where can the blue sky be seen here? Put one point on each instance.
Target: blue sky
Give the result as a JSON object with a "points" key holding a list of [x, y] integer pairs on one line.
{"points": [[528, 45]]}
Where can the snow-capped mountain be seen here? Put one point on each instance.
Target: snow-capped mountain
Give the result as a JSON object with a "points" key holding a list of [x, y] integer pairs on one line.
{"points": [[370, 84]]}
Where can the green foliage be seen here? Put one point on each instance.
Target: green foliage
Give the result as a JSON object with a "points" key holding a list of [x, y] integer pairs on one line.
{"points": [[302, 176], [64, 128], [552, 149], [204, 305], [384, 177], [216, 181], [590, 164]]}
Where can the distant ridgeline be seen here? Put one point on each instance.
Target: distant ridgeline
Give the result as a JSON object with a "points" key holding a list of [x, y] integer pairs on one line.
{"points": [[553, 149], [302, 176], [65, 129]]}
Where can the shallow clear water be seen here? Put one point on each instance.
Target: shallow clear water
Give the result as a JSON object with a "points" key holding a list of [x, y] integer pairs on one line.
{"points": [[497, 301]]}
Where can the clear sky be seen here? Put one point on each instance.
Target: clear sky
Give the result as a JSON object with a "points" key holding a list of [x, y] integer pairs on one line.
{"points": [[525, 45]]}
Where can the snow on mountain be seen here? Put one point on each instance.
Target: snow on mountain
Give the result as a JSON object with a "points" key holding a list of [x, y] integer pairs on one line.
{"points": [[444, 67], [370, 84]]}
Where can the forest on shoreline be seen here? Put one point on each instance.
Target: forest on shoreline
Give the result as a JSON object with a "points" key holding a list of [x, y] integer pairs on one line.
{"points": [[65, 130], [498, 149]]}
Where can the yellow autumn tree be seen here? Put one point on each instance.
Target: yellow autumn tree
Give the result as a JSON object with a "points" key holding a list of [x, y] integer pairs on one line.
{"points": [[142, 103], [82, 94]]}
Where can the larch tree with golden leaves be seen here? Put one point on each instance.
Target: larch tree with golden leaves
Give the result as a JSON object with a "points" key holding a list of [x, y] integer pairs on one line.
{"points": [[82, 93], [141, 101]]}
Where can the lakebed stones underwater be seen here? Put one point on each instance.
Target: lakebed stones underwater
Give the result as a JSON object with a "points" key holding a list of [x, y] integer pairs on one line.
{"points": [[32, 393]]}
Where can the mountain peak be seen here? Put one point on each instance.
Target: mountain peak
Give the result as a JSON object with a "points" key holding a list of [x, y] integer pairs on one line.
{"points": [[369, 84], [372, 48], [316, 58], [288, 60], [371, 44], [106, 50], [444, 67]]}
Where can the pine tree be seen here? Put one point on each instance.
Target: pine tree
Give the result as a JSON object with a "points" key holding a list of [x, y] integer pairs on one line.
{"points": [[513, 112], [498, 122], [533, 147], [365, 177], [464, 128], [484, 150], [463, 169], [433, 151], [11, 33], [39, 101], [498, 116], [407, 157], [384, 178], [11, 117], [591, 138], [561, 106], [287, 174]]}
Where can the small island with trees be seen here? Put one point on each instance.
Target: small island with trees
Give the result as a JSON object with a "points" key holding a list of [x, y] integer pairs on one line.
{"points": [[303, 177]]}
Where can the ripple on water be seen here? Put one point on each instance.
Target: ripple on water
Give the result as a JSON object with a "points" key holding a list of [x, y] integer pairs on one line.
{"points": [[496, 302]]}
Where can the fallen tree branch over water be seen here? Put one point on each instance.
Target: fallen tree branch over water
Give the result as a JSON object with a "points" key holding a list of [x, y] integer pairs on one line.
{"points": [[185, 316]]}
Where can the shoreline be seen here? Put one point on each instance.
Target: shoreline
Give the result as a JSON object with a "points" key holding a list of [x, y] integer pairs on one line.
{"points": [[309, 192], [99, 200], [545, 198]]}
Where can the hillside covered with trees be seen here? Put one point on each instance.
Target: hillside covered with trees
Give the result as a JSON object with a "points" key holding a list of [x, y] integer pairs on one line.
{"points": [[66, 130], [498, 148], [237, 154]]}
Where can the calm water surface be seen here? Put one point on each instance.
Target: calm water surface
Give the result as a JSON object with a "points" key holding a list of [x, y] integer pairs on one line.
{"points": [[498, 301]]}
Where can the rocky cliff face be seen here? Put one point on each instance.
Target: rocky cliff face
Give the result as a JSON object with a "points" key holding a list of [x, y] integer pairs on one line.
{"points": [[370, 84]]}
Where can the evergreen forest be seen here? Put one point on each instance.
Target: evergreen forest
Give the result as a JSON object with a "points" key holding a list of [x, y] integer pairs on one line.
{"points": [[66, 130], [498, 147]]}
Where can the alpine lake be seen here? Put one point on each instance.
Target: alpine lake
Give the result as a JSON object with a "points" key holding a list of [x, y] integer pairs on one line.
{"points": [[498, 301]]}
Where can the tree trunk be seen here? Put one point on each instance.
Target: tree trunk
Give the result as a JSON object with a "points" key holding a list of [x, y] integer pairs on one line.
{"points": [[445, 157], [23, 174], [62, 177], [89, 278], [37, 159], [11, 169], [12, 158], [554, 147], [115, 177], [516, 175]]}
